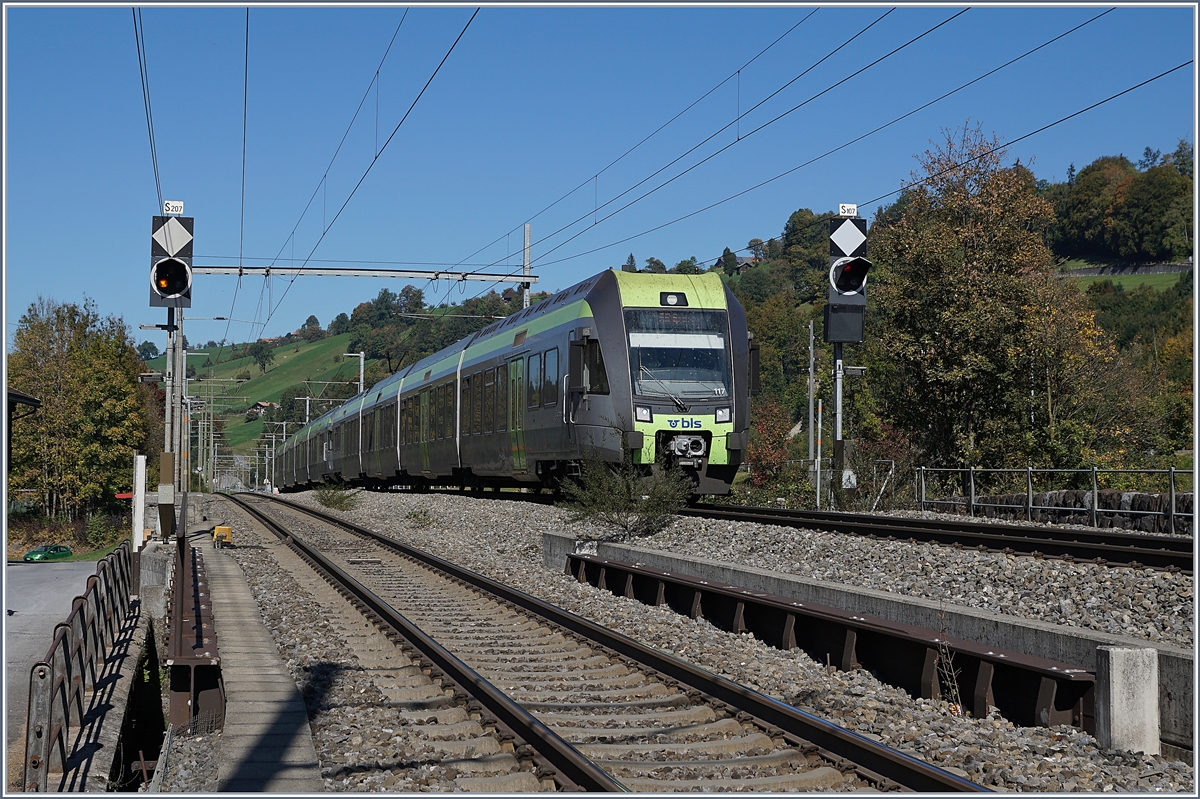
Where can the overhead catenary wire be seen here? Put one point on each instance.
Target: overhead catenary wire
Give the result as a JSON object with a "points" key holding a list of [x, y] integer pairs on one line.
{"points": [[320, 184], [757, 105], [650, 135], [242, 222], [374, 161], [139, 36], [884, 196], [736, 142]]}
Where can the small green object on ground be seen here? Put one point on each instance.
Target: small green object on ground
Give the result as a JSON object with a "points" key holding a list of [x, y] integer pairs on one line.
{"points": [[42, 553]]}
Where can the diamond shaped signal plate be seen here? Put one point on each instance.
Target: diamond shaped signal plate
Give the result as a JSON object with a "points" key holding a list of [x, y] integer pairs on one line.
{"points": [[172, 236], [848, 237]]}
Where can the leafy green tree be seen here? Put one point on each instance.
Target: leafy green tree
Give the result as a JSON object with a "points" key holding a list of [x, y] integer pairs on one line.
{"points": [[339, 325], [1153, 202], [291, 409], [390, 342], [76, 451], [688, 266], [656, 266], [311, 330], [411, 300], [758, 283], [630, 264], [263, 354], [1183, 159], [757, 248], [1085, 217], [729, 261], [1150, 159], [806, 251], [147, 350]]}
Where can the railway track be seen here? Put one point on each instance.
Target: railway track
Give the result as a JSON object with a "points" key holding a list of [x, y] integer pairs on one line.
{"points": [[1099, 546], [584, 707]]}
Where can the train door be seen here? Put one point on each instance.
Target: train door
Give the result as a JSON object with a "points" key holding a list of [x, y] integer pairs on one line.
{"points": [[516, 413], [425, 430]]}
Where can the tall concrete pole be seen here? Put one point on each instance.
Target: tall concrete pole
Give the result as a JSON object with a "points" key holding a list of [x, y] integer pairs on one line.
{"points": [[839, 451], [169, 369], [811, 439], [525, 271]]}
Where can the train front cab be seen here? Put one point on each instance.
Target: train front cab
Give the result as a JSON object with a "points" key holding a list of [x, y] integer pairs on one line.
{"points": [[665, 371]]}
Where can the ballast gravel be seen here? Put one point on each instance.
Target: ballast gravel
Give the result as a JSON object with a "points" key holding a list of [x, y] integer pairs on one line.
{"points": [[503, 540]]}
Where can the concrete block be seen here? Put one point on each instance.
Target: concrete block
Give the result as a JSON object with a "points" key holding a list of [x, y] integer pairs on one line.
{"points": [[1175, 665], [1127, 699]]}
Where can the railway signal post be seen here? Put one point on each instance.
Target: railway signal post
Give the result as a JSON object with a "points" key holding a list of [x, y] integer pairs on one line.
{"points": [[171, 244], [845, 311]]}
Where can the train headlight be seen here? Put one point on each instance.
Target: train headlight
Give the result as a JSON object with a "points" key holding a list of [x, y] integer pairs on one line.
{"points": [[642, 413], [724, 414]]}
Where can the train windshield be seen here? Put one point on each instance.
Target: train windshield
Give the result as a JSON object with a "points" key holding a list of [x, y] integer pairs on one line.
{"points": [[681, 354]]}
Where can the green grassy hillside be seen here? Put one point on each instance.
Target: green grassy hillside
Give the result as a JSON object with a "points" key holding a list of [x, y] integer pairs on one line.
{"points": [[294, 363], [1160, 282]]}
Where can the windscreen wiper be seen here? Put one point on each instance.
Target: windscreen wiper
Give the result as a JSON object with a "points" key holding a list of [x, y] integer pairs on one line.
{"points": [[678, 402]]}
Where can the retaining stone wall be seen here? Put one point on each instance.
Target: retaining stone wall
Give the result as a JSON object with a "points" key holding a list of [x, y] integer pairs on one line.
{"points": [[1075, 507]]}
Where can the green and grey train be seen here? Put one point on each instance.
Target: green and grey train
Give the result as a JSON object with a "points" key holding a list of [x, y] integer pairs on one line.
{"points": [[660, 364]]}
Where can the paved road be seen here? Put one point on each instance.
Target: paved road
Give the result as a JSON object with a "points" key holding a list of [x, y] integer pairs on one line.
{"points": [[37, 596]]}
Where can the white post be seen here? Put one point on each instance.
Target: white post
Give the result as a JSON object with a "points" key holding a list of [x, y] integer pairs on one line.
{"points": [[139, 500], [525, 271], [1127, 715]]}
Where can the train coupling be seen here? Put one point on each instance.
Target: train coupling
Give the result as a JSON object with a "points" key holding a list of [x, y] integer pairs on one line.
{"points": [[687, 446]]}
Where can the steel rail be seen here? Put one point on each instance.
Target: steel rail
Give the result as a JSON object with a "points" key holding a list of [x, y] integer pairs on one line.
{"points": [[882, 761], [580, 771], [1136, 550]]}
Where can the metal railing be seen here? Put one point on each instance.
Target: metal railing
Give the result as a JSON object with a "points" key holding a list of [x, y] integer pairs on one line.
{"points": [[972, 503], [73, 664]]}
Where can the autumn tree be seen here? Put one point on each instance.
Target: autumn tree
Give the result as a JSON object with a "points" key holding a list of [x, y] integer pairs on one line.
{"points": [[769, 428], [977, 351], [77, 451]]}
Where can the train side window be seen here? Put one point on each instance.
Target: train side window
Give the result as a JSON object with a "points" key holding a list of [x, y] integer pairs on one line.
{"points": [[489, 400], [534, 391], [465, 412], [550, 384], [448, 410], [501, 398], [477, 403], [595, 377], [439, 397]]}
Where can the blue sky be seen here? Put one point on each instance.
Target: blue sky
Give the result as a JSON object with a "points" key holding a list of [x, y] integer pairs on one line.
{"points": [[532, 103]]}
